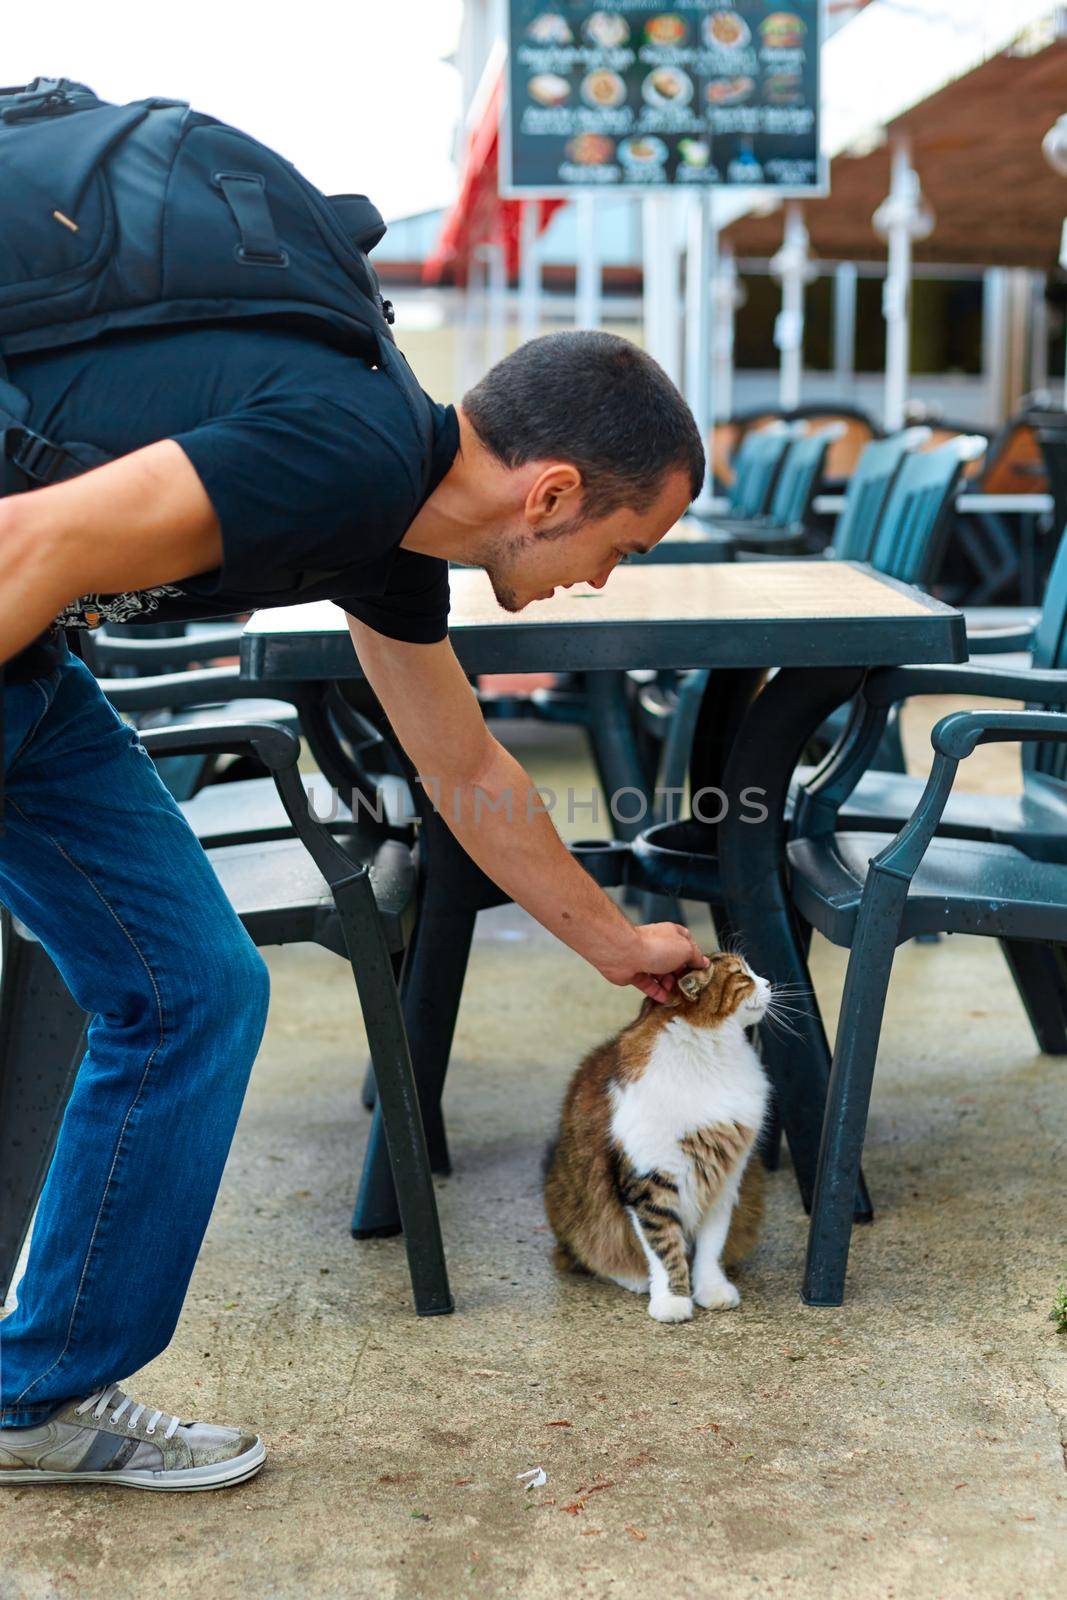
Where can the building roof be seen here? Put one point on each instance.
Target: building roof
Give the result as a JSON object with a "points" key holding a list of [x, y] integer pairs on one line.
{"points": [[976, 145]]}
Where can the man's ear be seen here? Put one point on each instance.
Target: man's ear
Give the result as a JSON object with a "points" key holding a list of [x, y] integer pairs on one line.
{"points": [[556, 489]]}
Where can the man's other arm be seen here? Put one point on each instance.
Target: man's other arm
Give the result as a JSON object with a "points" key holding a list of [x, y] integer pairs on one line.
{"points": [[144, 519], [490, 804]]}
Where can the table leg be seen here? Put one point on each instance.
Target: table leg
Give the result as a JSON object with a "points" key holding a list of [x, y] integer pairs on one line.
{"points": [[452, 892], [616, 753], [762, 757]]}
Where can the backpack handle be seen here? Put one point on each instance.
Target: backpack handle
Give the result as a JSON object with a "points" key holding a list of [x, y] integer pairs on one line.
{"points": [[44, 97], [361, 219]]}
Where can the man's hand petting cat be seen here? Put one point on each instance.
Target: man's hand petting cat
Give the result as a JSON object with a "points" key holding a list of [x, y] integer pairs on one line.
{"points": [[662, 952]]}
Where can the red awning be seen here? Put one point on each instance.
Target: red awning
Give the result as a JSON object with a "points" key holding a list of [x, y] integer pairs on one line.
{"points": [[479, 215]]}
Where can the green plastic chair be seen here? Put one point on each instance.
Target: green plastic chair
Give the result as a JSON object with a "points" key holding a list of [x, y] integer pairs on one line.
{"points": [[1033, 820], [784, 525], [758, 463], [868, 892]]}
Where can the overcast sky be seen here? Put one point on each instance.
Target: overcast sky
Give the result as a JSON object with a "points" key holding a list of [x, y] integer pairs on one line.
{"points": [[354, 92]]}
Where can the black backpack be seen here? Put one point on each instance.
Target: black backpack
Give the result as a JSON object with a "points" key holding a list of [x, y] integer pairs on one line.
{"points": [[152, 214]]}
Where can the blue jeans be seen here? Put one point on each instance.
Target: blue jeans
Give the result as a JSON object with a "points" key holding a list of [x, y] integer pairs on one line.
{"points": [[99, 864]]}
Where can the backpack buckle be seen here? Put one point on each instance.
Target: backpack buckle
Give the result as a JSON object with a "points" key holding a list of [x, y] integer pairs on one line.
{"points": [[46, 102], [34, 456]]}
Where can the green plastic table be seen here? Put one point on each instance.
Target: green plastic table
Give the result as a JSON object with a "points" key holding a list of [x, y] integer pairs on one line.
{"points": [[822, 625]]}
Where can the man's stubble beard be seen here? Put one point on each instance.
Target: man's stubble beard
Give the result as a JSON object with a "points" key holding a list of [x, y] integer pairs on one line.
{"points": [[497, 567]]}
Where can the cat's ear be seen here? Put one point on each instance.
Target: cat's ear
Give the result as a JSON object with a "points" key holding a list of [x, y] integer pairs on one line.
{"points": [[692, 983]]}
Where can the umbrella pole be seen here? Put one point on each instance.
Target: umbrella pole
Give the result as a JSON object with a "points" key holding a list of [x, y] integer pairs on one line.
{"points": [[845, 284], [701, 273], [792, 266], [660, 261], [587, 287], [529, 273], [901, 218], [496, 302], [728, 296]]}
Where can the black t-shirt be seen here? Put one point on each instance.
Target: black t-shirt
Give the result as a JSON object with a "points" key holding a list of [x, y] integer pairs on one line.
{"points": [[312, 460]]}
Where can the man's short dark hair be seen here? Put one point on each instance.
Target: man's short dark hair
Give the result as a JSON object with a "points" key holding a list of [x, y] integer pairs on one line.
{"points": [[598, 402]]}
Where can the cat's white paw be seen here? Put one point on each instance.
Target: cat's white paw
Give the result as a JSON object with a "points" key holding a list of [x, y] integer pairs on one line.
{"points": [[718, 1294], [671, 1308]]}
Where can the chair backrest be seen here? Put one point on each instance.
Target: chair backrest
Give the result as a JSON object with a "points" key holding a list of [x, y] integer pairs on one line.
{"points": [[1050, 651], [727, 437], [853, 429], [756, 468], [918, 514], [1013, 463], [867, 493], [1053, 443], [799, 478], [942, 431]]}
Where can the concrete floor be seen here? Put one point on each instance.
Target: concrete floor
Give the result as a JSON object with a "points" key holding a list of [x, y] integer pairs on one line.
{"points": [[911, 1444]]}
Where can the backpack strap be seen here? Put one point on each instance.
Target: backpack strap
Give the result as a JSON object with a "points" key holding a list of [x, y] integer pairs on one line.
{"points": [[27, 458], [14, 407], [395, 364]]}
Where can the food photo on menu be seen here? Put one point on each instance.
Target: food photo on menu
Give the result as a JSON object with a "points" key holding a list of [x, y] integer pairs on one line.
{"points": [[629, 95]]}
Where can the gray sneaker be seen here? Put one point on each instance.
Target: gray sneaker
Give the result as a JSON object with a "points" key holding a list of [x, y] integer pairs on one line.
{"points": [[109, 1438]]}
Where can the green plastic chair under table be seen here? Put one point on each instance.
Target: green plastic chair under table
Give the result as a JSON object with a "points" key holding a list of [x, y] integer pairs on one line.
{"points": [[868, 892]]}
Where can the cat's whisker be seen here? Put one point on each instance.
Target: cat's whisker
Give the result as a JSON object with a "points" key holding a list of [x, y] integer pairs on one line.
{"points": [[788, 1019], [732, 946], [780, 1025]]}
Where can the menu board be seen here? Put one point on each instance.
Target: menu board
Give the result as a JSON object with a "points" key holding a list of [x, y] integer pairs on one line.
{"points": [[628, 96]]}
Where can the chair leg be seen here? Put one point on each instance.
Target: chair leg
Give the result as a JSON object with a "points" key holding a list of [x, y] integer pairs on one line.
{"points": [[770, 1139], [1038, 971], [42, 1034], [398, 1102], [615, 753], [849, 1093], [677, 749], [890, 754]]}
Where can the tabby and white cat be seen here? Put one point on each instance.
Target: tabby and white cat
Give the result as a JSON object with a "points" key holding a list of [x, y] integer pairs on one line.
{"points": [[651, 1162]]}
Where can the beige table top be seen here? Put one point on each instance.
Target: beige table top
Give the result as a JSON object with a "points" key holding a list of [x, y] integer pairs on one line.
{"points": [[771, 614], [726, 592]]}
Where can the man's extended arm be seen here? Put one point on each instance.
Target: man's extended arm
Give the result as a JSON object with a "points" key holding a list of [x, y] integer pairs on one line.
{"points": [[488, 801], [141, 520]]}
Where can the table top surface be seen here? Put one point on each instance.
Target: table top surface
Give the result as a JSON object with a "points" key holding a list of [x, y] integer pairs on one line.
{"points": [[785, 613]]}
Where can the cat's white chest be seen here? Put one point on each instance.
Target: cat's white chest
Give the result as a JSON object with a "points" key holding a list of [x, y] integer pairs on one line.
{"points": [[695, 1078]]}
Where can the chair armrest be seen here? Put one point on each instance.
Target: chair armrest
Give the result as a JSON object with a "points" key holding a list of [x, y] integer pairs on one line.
{"points": [[1000, 623], [998, 641], [168, 691], [821, 799], [154, 655], [279, 750], [954, 738], [891, 684], [960, 733]]}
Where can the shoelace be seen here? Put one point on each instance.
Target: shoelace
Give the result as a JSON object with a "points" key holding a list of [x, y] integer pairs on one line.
{"points": [[113, 1395]]}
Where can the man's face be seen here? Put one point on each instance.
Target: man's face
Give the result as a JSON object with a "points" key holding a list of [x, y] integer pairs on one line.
{"points": [[551, 546]]}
